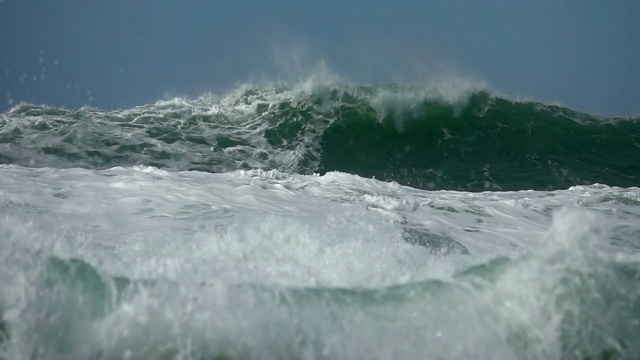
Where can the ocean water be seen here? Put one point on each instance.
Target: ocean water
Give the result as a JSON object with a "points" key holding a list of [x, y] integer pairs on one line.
{"points": [[320, 221]]}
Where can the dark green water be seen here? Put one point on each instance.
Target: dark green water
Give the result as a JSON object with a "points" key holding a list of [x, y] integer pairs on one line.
{"points": [[490, 144], [391, 132]]}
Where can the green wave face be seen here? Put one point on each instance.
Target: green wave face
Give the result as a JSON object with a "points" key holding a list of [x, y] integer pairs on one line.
{"points": [[490, 144], [391, 132]]}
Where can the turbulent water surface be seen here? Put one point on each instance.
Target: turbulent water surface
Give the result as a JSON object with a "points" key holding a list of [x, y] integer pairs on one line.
{"points": [[320, 222]]}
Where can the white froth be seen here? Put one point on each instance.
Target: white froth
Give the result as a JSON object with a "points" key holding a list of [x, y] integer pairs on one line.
{"points": [[252, 261], [144, 214]]}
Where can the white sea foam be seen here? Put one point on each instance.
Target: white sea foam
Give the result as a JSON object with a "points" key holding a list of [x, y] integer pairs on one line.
{"points": [[266, 264], [129, 209]]}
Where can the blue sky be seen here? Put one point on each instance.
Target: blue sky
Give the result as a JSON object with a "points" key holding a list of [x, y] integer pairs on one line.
{"points": [[117, 53]]}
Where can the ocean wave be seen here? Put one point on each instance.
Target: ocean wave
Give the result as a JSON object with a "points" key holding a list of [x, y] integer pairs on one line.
{"points": [[446, 136]]}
